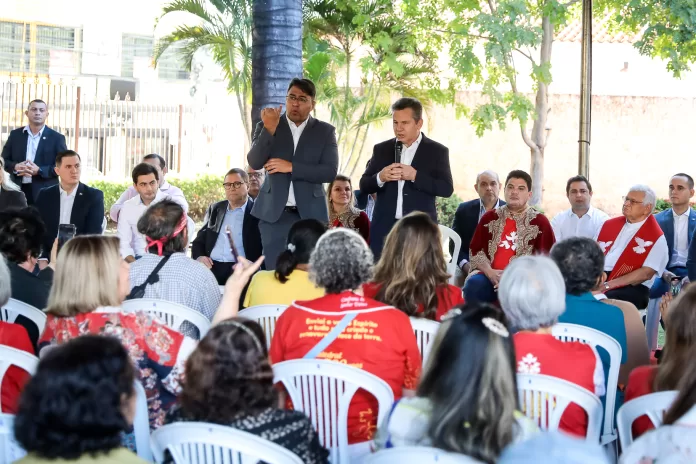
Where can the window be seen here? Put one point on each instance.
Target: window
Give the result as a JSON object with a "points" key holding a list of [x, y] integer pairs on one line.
{"points": [[11, 46], [134, 46], [37, 48], [170, 65]]}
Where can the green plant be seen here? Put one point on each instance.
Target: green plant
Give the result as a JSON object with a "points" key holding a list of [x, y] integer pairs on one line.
{"points": [[446, 207], [661, 205]]}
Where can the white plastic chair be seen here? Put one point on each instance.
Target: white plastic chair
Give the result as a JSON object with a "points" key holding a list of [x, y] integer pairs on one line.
{"points": [[266, 316], [323, 390], [13, 308], [452, 264], [418, 455], [10, 450], [653, 405], [544, 399], [202, 443], [141, 423], [590, 336], [425, 330], [13, 357], [171, 314]]}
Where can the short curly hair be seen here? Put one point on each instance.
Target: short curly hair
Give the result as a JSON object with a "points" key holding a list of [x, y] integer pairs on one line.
{"points": [[341, 261], [72, 406], [581, 262], [21, 234]]}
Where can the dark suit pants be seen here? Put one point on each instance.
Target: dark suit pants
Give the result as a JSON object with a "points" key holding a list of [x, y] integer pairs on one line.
{"points": [[274, 236], [639, 295], [222, 271], [26, 188], [478, 289]]}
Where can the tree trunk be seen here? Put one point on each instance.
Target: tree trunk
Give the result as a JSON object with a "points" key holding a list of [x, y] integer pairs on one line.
{"points": [[276, 52], [537, 173]]}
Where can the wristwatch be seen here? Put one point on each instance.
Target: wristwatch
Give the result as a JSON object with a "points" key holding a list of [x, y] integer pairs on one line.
{"points": [[606, 286]]}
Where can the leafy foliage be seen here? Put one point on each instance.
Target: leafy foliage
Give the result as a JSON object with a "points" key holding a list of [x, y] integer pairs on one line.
{"points": [[661, 205], [446, 207]]}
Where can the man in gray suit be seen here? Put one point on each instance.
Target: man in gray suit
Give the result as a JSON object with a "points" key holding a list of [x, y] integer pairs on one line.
{"points": [[299, 154]]}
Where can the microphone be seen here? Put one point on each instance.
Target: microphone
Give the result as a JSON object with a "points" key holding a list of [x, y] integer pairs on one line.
{"points": [[398, 148]]}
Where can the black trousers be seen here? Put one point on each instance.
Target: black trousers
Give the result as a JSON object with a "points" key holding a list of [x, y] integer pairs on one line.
{"points": [[28, 192], [639, 295], [222, 271]]}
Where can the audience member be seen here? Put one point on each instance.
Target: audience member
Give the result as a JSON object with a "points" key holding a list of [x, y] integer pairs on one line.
{"points": [[14, 336], [470, 213], [678, 223], [412, 274], [635, 249], [691, 261], [78, 404], [174, 193], [11, 196], [504, 234], [680, 341], [342, 209], [30, 152], [290, 280], [467, 399], [554, 448], [180, 279], [256, 179], [532, 294], [90, 284], [229, 381], [582, 219], [212, 245], [69, 202], [341, 264]]}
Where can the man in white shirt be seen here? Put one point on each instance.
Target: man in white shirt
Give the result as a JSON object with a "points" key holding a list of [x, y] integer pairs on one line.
{"points": [[582, 219], [635, 249], [167, 189]]}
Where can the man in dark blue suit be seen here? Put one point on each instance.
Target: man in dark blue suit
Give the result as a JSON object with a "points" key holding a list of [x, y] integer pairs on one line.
{"points": [[69, 202], [469, 213], [678, 224], [30, 152]]}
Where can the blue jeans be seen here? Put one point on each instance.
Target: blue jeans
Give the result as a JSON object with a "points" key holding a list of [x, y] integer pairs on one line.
{"points": [[660, 287], [479, 289]]}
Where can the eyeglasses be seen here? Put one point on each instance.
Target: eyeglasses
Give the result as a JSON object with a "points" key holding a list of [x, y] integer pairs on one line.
{"points": [[255, 175], [631, 201], [233, 185], [294, 99]]}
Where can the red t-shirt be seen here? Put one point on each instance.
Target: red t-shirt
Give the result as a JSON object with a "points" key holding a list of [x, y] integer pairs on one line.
{"points": [[640, 382], [507, 246], [448, 297], [572, 361], [379, 340], [14, 336]]}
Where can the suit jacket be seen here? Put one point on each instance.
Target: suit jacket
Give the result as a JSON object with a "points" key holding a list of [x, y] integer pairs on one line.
{"points": [[11, 199], [465, 221], [214, 217], [315, 162], [434, 179], [87, 212], [666, 221], [15, 151], [360, 199]]}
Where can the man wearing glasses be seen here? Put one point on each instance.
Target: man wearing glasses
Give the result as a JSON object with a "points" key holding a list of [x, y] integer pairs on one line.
{"points": [[212, 246], [299, 154], [635, 249], [256, 179]]}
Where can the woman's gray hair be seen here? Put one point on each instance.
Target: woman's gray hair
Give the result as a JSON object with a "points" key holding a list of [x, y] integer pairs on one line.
{"points": [[341, 261], [5, 282], [532, 292], [650, 197], [7, 183]]}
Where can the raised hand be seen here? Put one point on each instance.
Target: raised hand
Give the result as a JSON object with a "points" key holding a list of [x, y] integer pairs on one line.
{"points": [[271, 118]]}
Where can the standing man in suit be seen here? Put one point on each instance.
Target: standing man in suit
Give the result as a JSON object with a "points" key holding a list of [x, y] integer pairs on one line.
{"points": [[69, 202], [406, 172], [30, 152], [469, 213], [678, 224], [211, 246], [299, 154]]}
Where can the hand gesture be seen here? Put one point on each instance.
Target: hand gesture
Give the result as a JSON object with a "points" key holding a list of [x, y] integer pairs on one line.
{"points": [[207, 262], [391, 173], [243, 271], [276, 165], [407, 172], [271, 118]]}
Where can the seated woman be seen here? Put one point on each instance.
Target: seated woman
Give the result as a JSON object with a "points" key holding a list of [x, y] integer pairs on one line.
{"points": [[412, 273], [290, 280], [341, 264], [532, 294], [467, 399], [11, 196], [78, 404], [680, 339], [342, 209], [229, 381]]}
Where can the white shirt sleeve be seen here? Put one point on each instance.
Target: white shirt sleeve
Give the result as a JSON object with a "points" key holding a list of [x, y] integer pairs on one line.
{"points": [[556, 223], [177, 196], [116, 208], [598, 376], [658, 256], [380, 184], [125, 237]]}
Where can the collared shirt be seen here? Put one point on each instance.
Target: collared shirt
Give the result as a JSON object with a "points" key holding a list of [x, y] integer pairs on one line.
{"points": [[296, 134], [657, 255], [67, 200], [132, 242], [483, 210], [174, 193], [567, 224], [406, 158], [234, 218], [32, 146], [681, 239]]}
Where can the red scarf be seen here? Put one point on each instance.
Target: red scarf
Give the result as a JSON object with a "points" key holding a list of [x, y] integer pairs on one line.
{"points": [[638, 248]]}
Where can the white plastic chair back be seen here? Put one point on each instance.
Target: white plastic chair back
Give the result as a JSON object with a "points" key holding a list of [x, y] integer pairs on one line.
{"points": [[202, 443], [141, 423], [544, 399], [452, 264], [653, 405], [425, 330], [10, 450], [171, 314], [418, 455], [323, 390], [590, 336], [13, 357], [14, 308], [266, 316]]}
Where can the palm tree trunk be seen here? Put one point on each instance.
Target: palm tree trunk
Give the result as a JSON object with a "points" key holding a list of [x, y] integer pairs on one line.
{"points": [[276, 53]]}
